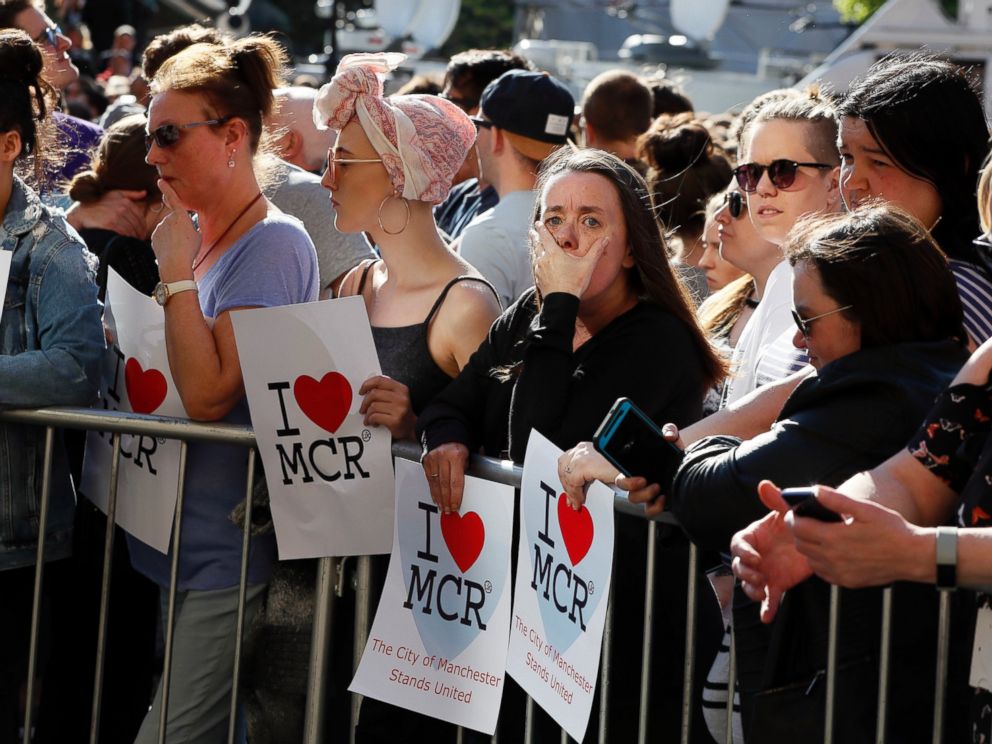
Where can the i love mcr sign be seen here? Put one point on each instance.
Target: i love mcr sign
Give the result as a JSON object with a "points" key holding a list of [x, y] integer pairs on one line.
{"points": [[438, 642], [564, 567], [330, 477]]}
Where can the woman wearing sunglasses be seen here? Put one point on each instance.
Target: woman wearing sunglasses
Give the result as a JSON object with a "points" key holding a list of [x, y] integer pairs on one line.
{"points": [[788, 170], [876, 308], [51, 346], [204, 129], [895, 146]]}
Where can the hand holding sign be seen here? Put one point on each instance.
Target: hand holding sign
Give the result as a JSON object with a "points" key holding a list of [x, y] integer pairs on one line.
{"points": [[445, 468], [387, 403], [176, 240]]}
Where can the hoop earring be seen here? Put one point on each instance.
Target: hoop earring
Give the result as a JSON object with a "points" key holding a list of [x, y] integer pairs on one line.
{"points": [[379, 214], [230, 159]]}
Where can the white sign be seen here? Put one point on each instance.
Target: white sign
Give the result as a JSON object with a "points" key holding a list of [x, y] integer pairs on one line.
{"points": [[438, 642], [136, 378], [330, 477], [5, 259], [564, 566]]}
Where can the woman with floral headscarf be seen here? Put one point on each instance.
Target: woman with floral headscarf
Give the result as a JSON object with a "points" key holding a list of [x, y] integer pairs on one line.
{"points": [[393, 159]]}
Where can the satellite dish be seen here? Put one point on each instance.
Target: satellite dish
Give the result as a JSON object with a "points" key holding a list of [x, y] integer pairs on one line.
{"points": [[434, 22], [234, 21], [396, 16], [698, 19]]}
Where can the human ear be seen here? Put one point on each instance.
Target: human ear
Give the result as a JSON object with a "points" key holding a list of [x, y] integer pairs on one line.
{"points": [[10, 146], [237, 132], [833, 189]]}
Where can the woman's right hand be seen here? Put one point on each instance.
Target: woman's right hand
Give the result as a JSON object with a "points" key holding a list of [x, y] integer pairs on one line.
{"points": [[176, 240], [559, 270], [445, 468]]}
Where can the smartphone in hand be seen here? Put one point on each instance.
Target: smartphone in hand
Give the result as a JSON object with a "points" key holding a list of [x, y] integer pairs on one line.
{"points": [[630, 440], [805, 504]]}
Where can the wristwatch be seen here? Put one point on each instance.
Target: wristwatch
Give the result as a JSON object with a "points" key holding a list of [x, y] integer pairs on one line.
{"points": [[947, 557], [164, 291]]}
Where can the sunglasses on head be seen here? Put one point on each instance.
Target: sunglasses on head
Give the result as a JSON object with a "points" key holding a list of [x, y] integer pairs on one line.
{"points": [[782, 173], [734, 200], [167, 135]]}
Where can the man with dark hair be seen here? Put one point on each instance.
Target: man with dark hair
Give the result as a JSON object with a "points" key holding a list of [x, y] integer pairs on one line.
{"points": [[523, 117], [467, 76], [616, 107], [669, 98]]}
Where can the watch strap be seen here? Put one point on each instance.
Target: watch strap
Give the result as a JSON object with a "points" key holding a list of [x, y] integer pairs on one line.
{"points": [[183, 285], [947, 557]]}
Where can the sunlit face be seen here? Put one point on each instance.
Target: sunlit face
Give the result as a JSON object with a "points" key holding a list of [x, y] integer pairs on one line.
{"points": [[773, 210], [867, 172], [578, 209], [719, 273], [58, 70], [834, 335], [740, 243], [196, 165], [359, 189]]}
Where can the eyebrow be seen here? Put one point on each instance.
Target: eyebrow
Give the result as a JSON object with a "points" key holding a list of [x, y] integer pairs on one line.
{"points": [[582, 210]]}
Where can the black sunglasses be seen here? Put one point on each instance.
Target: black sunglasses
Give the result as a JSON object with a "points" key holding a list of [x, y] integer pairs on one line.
{"points": [[803, 324], [167, 135], [481, 123], [782, 173], [734, 200], [465, 104]]}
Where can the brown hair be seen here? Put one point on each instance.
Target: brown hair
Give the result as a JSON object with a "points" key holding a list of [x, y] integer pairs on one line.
{"points": [[720, 310], [652, 277], [27, 98], [885, 265], [119, 163], [618, 104], [742, 123], [10, 9], [166, 46], [816, 111], [985, 196], [237, 79], [685, 170]]}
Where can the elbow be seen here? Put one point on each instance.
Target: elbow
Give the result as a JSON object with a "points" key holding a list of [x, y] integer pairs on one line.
{"points": [[206, 410]]}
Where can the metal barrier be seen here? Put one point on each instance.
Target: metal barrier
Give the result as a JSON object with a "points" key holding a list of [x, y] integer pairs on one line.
{"points": [[331, 571]]}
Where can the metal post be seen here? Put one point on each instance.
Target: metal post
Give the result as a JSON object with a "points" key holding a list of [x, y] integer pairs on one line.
{"points": [[731, 687], [606, 662], [232, 723], [39, 570], [828, 715], [647, 641], [363, 610], [170, 619], [883, 666], [690, 645], [108, 559], [320, 645], [459, 735], [564, 737], [529, 721], [943, 644]]}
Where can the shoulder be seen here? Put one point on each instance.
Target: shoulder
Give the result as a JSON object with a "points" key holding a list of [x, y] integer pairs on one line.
{"points": [[469, 302], [82, 132]]}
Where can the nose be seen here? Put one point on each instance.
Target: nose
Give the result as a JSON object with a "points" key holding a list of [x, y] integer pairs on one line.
{"points": [[852, 183], [154, 154], [566, 237], [722, 215], [64, 43], [327, 180], [707, 261], [765, 185], [799, 340]]}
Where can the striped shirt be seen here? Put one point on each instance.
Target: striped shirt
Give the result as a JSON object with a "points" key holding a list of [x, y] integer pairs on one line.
{"points": [[780, 359], [975, 292]]}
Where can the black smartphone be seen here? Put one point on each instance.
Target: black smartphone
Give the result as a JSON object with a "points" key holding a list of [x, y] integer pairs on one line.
{"points": [[630, 440], [805, 504]]}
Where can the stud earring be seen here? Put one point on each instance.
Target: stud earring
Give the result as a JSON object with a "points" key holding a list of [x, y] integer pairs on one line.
{"points": [[230, 159]]}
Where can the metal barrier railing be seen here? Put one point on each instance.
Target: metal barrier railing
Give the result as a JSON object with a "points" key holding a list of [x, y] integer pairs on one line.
{"points": [[330, 569]]}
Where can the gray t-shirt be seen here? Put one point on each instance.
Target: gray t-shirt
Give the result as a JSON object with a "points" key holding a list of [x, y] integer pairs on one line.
{"points": [[299, 193]]}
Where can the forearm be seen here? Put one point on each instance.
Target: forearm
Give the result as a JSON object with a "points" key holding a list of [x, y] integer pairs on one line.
{"points": [[52, 377], [748, 417], [974, 566]]}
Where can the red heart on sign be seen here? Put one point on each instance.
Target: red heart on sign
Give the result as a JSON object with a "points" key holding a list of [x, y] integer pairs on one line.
{"points": [[146, 389], [327, 402], [576, 530], [464, 535]]}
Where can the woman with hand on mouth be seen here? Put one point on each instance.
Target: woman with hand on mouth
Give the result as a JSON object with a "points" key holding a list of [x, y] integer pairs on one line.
{"points": [[913, 134]]}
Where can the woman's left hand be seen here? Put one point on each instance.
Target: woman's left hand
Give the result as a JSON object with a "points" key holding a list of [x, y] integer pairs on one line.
{"points": [[558, 270], [387, 403], [176, 240], [580, 466]]}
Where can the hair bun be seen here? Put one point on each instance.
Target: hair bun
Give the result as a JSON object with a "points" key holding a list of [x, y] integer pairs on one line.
{"points": [[675, 143]]}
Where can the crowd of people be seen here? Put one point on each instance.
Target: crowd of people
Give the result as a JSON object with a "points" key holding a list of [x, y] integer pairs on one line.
{"points": [[786, 290]]}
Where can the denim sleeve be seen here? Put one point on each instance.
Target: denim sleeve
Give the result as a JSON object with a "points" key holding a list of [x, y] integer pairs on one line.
{"points": [[63, 368]]}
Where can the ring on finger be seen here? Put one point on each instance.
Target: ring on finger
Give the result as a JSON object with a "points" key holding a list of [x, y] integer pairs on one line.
{"points": [[435, 475]]}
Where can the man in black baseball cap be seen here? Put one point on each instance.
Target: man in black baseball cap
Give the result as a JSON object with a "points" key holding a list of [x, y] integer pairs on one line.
{"points": [[523, 117]]}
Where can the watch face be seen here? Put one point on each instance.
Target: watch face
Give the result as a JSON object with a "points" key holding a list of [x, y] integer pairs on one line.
{"points": [[161, 293]]}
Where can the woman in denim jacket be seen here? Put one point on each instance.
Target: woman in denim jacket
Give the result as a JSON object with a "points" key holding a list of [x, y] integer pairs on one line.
{"points": [[51, 340]]}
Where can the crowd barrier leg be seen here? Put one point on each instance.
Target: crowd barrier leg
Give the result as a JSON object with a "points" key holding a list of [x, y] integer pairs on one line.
{"points": [[459, 735], [39, 571], [884, 661], [604, 670], [108, 558], [232, 722], [828, 716], [170, 619], [363, 611], [320, 645], [529, 721], [943, 649], [731, 687], [690, 644], [649, 581]]}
